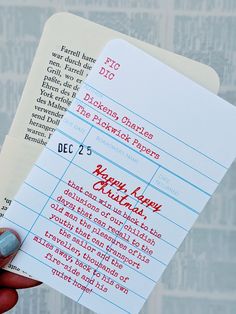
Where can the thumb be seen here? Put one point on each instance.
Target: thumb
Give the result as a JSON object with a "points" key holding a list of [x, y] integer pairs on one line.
{"points": [[9, 244]]}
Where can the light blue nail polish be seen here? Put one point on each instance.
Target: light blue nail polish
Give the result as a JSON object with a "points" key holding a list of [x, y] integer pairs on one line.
{"points": [[9, 243]]}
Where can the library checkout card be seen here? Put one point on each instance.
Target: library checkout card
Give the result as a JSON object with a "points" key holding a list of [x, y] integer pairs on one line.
{"points": [[122, 180]]}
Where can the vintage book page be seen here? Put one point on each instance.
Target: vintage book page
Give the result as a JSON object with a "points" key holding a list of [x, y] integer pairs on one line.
{"points": [[63, 60], [60, 65]]}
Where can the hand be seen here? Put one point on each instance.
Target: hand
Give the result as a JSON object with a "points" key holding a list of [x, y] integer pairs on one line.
{"points": [[9, 282]]}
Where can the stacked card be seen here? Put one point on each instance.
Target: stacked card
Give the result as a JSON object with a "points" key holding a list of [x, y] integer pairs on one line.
{"points": [[123, 175]]}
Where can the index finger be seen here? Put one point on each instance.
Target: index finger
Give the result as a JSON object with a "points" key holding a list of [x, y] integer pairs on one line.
{"points": [[11, 280]]}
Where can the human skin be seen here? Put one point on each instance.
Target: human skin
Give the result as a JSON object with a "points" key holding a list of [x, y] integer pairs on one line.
{"points": [[10, 282]]}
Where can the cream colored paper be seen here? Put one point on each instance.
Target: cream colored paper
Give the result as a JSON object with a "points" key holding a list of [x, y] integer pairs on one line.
{"points": [[79, 37]]}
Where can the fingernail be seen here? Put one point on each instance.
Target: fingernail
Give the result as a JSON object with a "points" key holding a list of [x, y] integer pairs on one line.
{"points": [[9, 243]]}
